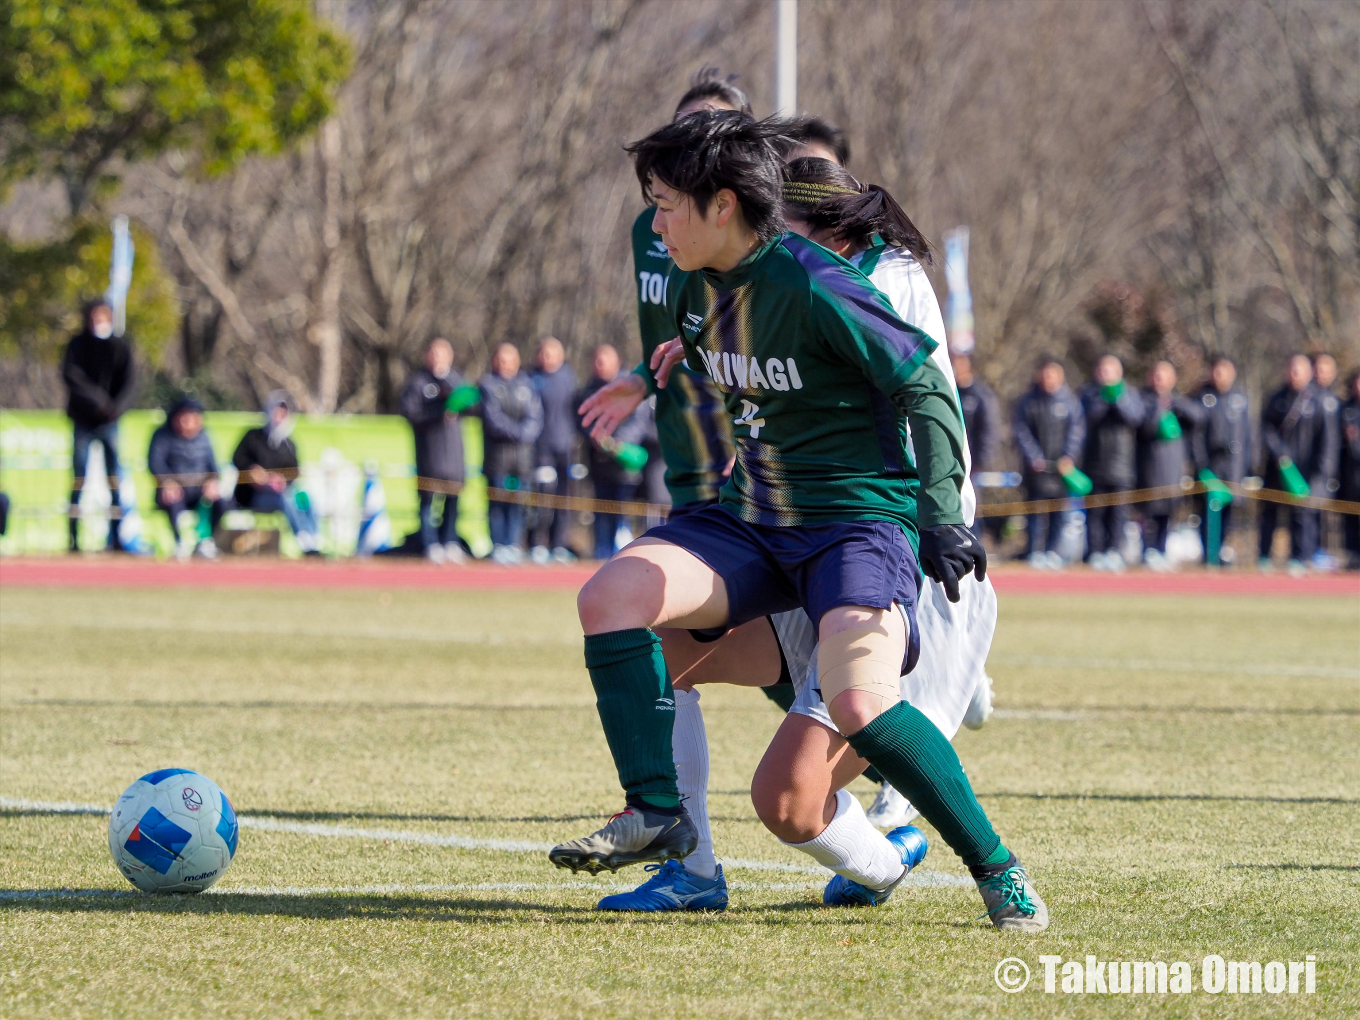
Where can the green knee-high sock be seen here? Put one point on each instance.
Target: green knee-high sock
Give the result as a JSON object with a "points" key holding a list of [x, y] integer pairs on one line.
{"points": [[637, 708], [911, 752]]}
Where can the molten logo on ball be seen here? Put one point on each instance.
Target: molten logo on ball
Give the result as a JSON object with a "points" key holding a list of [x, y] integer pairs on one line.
{"points": [[192, 800]]}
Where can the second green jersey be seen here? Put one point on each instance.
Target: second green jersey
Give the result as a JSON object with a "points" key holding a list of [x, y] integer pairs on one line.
{"points": [[691, 423], [820, 376]]}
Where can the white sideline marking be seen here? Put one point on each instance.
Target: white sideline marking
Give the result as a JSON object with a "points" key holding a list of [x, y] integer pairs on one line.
{"points": [[1174, 666], [923, 879]]}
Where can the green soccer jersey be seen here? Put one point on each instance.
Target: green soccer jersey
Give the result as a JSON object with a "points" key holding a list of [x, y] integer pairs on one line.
{"points": [[691, 422], [820, 377]]}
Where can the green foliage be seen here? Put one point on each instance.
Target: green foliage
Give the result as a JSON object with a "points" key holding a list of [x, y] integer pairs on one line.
{"points": [[42, 287], [85, 82]]}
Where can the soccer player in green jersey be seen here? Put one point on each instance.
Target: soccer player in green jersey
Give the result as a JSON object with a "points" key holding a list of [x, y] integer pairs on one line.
{"points": [[824, 511]]}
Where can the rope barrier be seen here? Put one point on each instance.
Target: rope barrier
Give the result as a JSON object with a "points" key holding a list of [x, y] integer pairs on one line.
{"points": [[639, 508]]}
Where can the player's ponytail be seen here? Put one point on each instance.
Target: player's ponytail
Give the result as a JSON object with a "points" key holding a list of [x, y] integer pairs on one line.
{"points": [[827, 198]]}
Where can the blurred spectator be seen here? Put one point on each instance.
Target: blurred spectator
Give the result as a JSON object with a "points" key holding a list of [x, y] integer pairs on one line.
{"points": [[267, 462], [556, 385], [101, 382], [615, 464], [181, 458], [1324, 375], [431, 401], [1049, 430], [1349, 418], [1301, 448], [1221, 445], [1162, 453], [982, 424], [1113, 412], [4, 514], [512, 419]]}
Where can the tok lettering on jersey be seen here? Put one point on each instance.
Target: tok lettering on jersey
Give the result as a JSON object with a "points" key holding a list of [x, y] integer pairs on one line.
{"points": [[740, 372]]}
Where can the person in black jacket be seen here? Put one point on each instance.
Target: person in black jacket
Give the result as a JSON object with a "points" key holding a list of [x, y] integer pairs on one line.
{"points": [[1349, 419], [101, 382], [615, 466], [982, 426], [425, 403], [1113, 411], [181, 457], [1162, 454], [1221, 445], [555, 383], [1049, 430], [1300, 445], [512, 419], [267, 462]]}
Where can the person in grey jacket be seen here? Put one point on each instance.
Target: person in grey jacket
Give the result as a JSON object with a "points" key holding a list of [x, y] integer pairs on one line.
{"points": [[555, 382], [1221, 445], [182, 460], [512, 420], [425, 403], [1049, 430], [1300, 444], [1113, 411], [1162, 453]]}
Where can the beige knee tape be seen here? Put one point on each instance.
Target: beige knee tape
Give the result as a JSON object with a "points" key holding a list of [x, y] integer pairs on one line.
{"points": [[860, 659]]}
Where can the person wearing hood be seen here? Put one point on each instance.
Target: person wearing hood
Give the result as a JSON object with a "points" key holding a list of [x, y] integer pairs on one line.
{"points": [[181, 458], [433, 400], [267, 462], [101, 383]]}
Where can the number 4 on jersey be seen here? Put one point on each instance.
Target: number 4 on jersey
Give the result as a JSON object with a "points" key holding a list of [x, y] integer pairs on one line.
{"points": [[748, 417]]}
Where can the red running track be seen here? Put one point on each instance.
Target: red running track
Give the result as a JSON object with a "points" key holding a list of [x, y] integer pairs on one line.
{"points": [[97, 571]]}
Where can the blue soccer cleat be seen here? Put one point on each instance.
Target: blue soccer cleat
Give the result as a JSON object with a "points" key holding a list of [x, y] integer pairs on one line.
{"points": [[842, 892], [671, 888]]}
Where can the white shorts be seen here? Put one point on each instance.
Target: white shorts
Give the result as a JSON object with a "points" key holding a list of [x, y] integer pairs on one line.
{"points": [[955, 640]]}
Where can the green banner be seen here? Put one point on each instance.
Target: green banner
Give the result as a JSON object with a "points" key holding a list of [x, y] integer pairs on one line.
{"points": [[335, 451]]}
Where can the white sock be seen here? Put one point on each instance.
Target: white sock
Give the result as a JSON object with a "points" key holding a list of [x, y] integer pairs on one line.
{"points": [[853, 848], [690, 748]]}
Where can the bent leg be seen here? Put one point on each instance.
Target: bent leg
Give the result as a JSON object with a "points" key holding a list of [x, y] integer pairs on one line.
{"points": [[856, 658], [649, 583]]}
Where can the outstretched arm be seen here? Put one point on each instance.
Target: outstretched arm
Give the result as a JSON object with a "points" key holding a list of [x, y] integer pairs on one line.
{"points": [[603, 411]]}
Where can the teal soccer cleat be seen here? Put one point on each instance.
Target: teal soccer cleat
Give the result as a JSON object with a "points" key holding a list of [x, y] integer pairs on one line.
{"points": [[671, 887], [843, 892]]}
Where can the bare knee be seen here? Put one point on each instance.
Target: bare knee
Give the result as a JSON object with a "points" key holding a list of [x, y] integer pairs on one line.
{"points": [[792, 814], [623, 595]]}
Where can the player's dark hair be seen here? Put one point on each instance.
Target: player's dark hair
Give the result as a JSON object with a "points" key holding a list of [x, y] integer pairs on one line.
{"points": [[711, 83], [806, 129], [826, 197], [703, 153]]}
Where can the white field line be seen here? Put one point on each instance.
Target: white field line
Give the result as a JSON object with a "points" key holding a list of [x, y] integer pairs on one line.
{"points": [[293, 891], [922, 879], [1175, 666]]}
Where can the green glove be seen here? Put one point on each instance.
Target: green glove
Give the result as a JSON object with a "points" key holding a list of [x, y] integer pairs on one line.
{"points": [[1217, 490], [301, 500], [1168, 427], [1292, 480], [1078, 482], [1112, 392], [631, 456], [462, 398], [204, 519]]}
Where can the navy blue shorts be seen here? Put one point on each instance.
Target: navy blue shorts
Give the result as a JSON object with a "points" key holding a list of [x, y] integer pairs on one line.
{"points": [[816, 567], [685, 509]]}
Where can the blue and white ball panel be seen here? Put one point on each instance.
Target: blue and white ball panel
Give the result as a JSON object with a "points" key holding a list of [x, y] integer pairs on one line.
{"points": [[173, 830]]}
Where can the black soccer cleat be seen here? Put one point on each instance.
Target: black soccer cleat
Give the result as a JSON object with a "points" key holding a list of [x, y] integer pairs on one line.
{"points": [[633, 836]]}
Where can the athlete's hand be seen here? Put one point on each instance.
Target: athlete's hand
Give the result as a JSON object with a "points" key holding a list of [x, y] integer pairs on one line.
{"points": [[665, 358], [605, 409], [948, 552]]}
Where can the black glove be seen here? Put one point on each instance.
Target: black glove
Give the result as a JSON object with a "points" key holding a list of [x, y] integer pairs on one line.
{"points": [[948, 552]]}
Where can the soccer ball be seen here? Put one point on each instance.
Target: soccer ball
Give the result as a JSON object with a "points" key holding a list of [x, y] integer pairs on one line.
{"points": [[173, 831]]}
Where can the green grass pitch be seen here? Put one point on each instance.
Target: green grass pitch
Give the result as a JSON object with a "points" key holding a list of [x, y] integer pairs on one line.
{"points": [[1182, 775]]}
